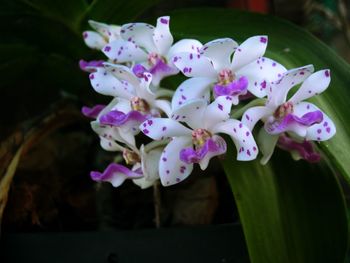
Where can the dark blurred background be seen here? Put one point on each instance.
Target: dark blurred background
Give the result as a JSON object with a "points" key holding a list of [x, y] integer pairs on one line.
{"points": [[42, 90]]}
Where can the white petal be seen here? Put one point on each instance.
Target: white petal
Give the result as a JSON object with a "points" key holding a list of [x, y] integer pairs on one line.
{"points": [[242, 137], [110, 32], [193, 88], [251, 116], [164, 106], [106, 131], [194, 65], [105, 83], [279, 90], [162, 37], [161, 128], [219, 51], [260, 73], [184, 45], [249, 51], [110, 145], [122, 73], [192, 113], [121, 51], [317, 132], [139, 33], [218, 111], [313, 85], [267, 144], [149, 163], [171, 169], [94, 40]]}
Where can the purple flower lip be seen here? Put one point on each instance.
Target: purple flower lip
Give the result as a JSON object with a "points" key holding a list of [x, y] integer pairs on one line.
{"points": [[190, 155], [139, 70], [92, 112], [118, 118], [235, 88], [306, 120], [112, 170], [90, 66], [304, 149]]}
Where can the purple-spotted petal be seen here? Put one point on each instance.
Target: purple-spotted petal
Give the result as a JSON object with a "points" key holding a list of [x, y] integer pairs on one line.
{"points": [[219, 52], [317, 132], [303, 150], [277, 93], [267, 144], [194, 65], [162, 37], [242, 137], [123, 73], [192, 113], [121, 51], [90, 66], [110, 145], [171, 169], [234, 89], [184, 45], [217, 111], [92, 112], [254, 114], [260, 73], [105, 83], [249, 51], [94, 40], [139, 33], [161, 128], [212, 147], [293, 123], [118, 118], [313, 85], [193, 88], [116, 174], [107, 132]]}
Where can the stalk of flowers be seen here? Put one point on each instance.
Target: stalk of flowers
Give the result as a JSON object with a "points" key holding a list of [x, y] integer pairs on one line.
{"points": [[291, 123]]}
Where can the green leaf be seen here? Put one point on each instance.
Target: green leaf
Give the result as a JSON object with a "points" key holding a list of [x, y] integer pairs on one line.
{"points": [[291, 46], [290, 211]]}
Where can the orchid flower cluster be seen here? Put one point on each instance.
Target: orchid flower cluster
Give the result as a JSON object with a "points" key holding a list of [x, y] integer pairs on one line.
{"points": [[225, 81]]}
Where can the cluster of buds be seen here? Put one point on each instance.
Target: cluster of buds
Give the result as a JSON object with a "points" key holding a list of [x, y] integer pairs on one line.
{"points": [[186, 125]]}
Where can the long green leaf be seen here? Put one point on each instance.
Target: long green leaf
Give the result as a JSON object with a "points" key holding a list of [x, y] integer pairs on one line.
{"points": [[293, 47], [294, 213]]}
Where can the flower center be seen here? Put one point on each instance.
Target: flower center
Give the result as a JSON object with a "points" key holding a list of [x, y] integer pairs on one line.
{"points": [[199, 137], [139, 104], [131, 157], [283, 110], [226, 76], [153, 59]]}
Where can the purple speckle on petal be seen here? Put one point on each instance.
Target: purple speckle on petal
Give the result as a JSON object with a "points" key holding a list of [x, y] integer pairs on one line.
{"points": [[164, 21], [150, 122], [263, 40], [247, 133], [328, 129], [319, 130], [248, 152], [91, 76], [240, 125], [164, 128], [220, 107], [107, 48], [164, 159], [327, 73], [325, 124], [145, 131]]}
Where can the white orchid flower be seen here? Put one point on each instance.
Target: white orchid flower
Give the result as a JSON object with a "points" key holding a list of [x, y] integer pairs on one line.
{"points": [[150, 46], [200, 142], [295, 116], [212, 67]]}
